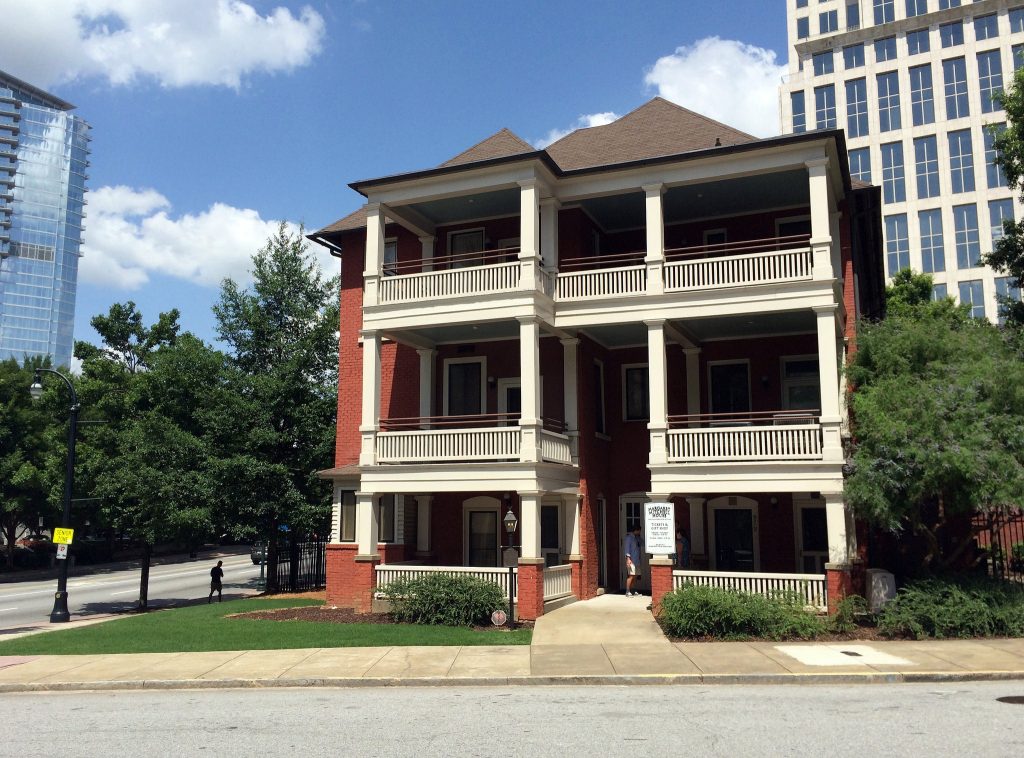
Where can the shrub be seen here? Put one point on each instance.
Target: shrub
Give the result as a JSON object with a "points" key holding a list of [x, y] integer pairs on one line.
{"points": [[697, 611], [847, 610], [955, 607], [444, 600]]}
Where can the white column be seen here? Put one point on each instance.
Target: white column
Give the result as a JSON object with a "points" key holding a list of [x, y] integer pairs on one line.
{"points": [[821, 236], [570, 347], [549, 233], [655, 220], [426, 381], [573, 506], [367, 520], [375, 222], [529, 378], [427, 252], [529, 233], [696, 525], [423, 505], [371, 397], [842, 537], [692, 382], [658, 393], [529, 524], [828, 372], [336, 514]]}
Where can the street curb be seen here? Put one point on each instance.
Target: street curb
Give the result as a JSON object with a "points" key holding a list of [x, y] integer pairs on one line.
{"points": [[514, 681]]}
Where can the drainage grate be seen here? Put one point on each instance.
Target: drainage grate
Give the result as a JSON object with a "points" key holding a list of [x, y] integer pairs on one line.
{"points": [[1012, 699], [850, 653]]}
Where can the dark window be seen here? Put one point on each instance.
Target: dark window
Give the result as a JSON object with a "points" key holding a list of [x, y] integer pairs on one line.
{"points": [[730, 388], [638, 406], [464, 398]]}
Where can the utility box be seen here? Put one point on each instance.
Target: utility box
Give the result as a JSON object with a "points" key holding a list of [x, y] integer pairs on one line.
{"points": [[881, 588]]}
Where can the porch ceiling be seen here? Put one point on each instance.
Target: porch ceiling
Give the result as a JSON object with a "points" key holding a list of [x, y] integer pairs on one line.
{"points": [[730, 327], [462, 333], [453, 210]]}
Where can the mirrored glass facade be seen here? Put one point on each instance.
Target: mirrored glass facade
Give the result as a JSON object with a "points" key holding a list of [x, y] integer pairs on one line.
{"points": [[44, 152]]}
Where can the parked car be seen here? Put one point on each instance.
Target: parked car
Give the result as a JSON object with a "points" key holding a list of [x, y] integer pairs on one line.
{"points": [[258, 553]]}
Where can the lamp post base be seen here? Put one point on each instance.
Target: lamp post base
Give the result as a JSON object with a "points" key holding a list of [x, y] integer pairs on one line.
{"points": [[60, 613]]}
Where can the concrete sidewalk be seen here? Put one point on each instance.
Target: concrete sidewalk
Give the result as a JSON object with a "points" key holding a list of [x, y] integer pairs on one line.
{"points": [[608, 640]]}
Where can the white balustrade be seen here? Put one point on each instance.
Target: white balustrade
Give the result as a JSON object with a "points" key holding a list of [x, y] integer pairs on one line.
{"points": [[811, 587], [555, 447], [390, 572], [733, 270], [605, 282], [557, 582], [454, 282], [745, 443], [432, 445]]}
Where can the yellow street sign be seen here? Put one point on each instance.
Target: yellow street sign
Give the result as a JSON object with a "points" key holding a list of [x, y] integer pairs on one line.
{"points": [[63, 536]]}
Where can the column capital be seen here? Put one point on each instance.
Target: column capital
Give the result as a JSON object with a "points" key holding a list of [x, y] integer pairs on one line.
{"points": [[654, 323], [426, 352], [817, 163], [824, 309], [691, 350], [653, 189], [368, 334], [659, 497], [527, 320], [570, 341], [550, 201], [531, 183], [427, 239], [695, 500], [362, 493], [374, 208]]}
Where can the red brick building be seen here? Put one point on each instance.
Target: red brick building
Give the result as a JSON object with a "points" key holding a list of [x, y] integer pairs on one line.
{"points": [[653, 310]]}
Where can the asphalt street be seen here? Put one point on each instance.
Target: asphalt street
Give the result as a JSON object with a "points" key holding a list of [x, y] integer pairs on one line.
{"points": [[857, 720], [27, 603]]}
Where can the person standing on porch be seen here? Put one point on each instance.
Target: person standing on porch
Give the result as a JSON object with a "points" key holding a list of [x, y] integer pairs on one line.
{"points": [[633, 547], [682, 554]]}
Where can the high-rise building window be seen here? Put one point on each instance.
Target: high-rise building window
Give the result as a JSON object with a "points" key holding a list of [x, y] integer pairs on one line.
{"points": [[972, 294], [801, 3], [857, 107], [884, 11], [853, 15], [993, 172], [968, 243], [860, 164], [926, 162], [998, 212], [945, 5], [916, 8], [1018, 56], [918, 42], [990, 77], [828, 22], [952, 34], [961, 161], [823, 63], [803, 28], [933, 257], [922, 100], [939, 292], [1006, 296], [825, 107], [885, 49], [853, 55], [954, 72], [888, 101], [893, 188], [1016, 16], [897, 244], [796, 100], [985, 27]]}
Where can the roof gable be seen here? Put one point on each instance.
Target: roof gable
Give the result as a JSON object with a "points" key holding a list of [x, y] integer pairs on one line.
{"points": [[501, 144]]}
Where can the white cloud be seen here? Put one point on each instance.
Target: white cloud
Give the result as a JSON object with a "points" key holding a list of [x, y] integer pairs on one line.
{"points": [[131, 235], [177, 43], [727, 80], [587, 120]]}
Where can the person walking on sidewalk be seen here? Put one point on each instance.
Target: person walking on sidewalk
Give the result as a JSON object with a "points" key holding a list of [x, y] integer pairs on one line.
{"points": [[633, 547], [216, 583]]}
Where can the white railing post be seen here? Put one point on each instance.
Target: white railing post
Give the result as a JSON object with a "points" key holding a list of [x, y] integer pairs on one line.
{"points": [[375, 222], [529, 377], [821, 237], [370, 397], [828, 373], [529, 233], [655, 221], [658, 390]]}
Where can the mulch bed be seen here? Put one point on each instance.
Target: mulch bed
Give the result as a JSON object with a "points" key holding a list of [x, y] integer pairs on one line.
{"points": [[327, 614]]}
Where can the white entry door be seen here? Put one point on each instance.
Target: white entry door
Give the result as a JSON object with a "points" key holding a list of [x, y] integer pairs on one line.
{"points": [[631, 514]]}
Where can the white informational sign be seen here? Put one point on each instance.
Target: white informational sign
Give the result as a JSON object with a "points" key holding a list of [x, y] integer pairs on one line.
{"points": [[659, 528], [62, 552]]}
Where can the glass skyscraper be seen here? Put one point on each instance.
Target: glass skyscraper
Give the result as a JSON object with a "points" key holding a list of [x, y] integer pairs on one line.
{"points": [[44, 152]]}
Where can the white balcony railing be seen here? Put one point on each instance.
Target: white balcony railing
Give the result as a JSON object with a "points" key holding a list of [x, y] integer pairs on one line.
{"points": [[605, 282], [390, 572], [412, 440], [811, 587], [557, 582], [454, 282], [555, 448], [735, 270], [765, 443]]}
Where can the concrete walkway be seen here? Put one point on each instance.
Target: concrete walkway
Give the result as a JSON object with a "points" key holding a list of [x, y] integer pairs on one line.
{"points": [[608, 640]]}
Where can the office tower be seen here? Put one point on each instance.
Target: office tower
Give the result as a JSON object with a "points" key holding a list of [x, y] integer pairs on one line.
{"points": [[911, 83], [43, 159]]}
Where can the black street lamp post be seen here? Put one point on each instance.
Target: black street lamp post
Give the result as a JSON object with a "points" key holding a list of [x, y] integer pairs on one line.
{"points": [[510, 522], [60, 611]]}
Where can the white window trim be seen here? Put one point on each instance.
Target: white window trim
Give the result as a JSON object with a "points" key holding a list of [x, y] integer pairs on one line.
{"points": [[746, 361], [484, 504], [736, 503], [384, 256], [482, 360], [625, 367], [789, 220], [555, 503], [482, 231], [504, 384]]}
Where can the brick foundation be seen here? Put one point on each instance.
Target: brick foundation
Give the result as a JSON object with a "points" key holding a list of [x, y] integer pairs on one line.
{"points": [[350, 579], [661, 581], [840, 584], [531, 588], [577, 576]]}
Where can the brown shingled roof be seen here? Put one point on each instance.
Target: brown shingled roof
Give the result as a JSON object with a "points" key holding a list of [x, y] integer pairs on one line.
{"points": [[498, 145], [355, 220], [656, 128]]}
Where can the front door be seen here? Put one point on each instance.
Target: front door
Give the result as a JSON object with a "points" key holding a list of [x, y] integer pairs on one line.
{"points": [[813, 540], [483, 538], [734, 539], [631, 514], [550, 539]]}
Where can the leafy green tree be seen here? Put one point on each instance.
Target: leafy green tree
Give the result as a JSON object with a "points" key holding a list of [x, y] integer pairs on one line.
{"points": [[938, 407], [1008, 253], [282, 335]]}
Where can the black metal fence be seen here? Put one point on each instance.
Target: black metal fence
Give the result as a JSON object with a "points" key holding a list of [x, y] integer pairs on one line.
{"points": [[302, 566], [1001, 535]]}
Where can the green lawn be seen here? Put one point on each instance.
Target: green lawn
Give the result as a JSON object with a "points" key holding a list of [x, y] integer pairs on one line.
{"points": [[204, 627]]}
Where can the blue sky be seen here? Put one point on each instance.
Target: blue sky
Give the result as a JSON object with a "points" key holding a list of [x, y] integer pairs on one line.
{"points": [[213, 119]]}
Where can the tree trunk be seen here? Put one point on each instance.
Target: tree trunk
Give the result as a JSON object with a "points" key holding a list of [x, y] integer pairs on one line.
{"points": [[10, 534], [147, 556], [271, 559]]}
